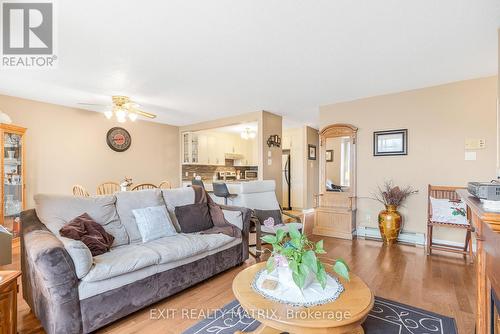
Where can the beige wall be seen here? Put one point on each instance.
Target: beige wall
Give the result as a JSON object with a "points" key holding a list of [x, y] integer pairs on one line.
{"points": [[271, 124], [438, 119], [65, 146], [312, 167]]}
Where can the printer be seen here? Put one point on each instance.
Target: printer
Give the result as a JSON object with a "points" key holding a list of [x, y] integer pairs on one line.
{"points": [[487, 191]]}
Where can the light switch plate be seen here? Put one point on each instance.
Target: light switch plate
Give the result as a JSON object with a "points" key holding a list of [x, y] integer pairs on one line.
{"points": [[470, 156], [269, 162], [269, 154], [474, 143]]}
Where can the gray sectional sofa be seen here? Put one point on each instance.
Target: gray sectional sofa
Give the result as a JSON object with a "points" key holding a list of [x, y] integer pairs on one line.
{"points": [[72, 292]]}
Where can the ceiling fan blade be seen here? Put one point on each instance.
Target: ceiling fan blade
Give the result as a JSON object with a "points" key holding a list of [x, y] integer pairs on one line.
{"points": [[93, 104], [142, 113]]}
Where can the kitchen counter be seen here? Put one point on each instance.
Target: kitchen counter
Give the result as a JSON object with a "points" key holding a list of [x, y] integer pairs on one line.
{"points": [[232, 185]]}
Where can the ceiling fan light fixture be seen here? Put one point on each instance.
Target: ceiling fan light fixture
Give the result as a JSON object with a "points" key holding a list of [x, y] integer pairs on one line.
{"points": [[132, 116], [121, 113], [121, 119], [108, 114], [248, 134]]}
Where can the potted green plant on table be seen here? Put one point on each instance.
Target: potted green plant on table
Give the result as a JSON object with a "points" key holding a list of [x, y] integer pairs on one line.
{"points": [[294, 257]]}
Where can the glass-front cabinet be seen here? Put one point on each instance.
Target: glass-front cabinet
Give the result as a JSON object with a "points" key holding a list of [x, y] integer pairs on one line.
{"points": [[13, 190]]}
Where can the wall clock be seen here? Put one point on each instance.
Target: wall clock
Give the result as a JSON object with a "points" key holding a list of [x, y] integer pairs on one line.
{"points": [[118, 139]]}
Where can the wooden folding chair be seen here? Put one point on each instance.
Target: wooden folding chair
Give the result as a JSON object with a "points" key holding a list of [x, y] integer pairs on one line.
{"points": [[443, 192]]}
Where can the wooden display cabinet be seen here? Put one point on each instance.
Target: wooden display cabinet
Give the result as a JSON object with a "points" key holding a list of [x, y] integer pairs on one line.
{"points": [[336, 207], [13, 194]]}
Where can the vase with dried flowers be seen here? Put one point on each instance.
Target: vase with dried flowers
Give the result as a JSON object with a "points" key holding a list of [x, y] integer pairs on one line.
{"points": [[390, 220]]}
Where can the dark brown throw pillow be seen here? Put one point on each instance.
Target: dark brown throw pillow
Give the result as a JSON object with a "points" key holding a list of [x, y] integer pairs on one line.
{"points": [[264, 214], [93, 235], [194, 217]]}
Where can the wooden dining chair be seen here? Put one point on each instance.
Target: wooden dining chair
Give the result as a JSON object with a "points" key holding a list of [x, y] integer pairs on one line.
{"points": [[143, 186], [165, 185], [442, 192], [79, 190], [108, 188]]}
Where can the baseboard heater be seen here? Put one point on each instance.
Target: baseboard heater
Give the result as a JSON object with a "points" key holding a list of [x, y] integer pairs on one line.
{"points": [[411, 238]]}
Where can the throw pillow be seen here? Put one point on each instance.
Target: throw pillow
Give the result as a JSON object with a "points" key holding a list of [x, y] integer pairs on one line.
{"points": [[153, 223], [264, 215], [93, 235], [194, 217], [447, 211]]}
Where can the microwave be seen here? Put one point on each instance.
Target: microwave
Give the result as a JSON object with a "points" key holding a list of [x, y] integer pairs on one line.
{"points": [[251, 175]]}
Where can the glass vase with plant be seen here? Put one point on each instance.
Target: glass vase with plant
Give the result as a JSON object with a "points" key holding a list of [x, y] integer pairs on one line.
{"points": [[295, 253]]}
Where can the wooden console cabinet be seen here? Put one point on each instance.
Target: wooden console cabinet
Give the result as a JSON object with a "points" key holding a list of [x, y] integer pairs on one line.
{"points": [[8, 301], [487, 231]]}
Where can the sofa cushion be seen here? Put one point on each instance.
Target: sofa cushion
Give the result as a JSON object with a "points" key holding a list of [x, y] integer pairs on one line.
{"points": [[194, 217], [121, 260], [154, 223], [177, 247], [55, 211], [215, 241], [80, 254], [89, 289], [126, 201], [177, 197]]}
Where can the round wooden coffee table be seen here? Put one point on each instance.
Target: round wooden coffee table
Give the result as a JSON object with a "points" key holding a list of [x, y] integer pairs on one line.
{"points": [[343, 316]]}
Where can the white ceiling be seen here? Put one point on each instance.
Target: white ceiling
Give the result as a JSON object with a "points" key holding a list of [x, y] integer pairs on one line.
{"points": [[191, 61]]}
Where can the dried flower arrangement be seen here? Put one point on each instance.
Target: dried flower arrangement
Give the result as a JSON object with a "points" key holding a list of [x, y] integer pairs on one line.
{"points": [[389, 194]]}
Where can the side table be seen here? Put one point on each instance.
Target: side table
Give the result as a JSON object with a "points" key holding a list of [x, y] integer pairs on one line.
{"points": [[8, 301]]}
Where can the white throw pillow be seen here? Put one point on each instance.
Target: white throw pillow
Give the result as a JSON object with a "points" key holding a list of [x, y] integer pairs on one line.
{"points": [[446, 211], [153, 223]]}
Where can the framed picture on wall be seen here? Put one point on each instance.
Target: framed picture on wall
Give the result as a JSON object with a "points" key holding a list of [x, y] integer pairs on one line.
{"points": [[392, 142], [311, 152], [329, 156]]}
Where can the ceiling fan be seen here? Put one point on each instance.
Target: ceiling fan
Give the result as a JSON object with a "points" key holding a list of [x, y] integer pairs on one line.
{"points": [[122, 108]]}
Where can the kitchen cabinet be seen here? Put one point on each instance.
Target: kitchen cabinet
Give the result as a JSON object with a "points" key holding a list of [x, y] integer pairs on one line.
{"points": [[211, 147], [189, 148]]}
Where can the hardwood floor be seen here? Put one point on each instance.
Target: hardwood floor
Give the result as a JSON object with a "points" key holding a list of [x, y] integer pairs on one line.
{"points": [[442, 283]]}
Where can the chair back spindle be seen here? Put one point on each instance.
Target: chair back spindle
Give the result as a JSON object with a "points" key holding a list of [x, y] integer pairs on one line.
{"points": [[143, 186], [108, 188]]}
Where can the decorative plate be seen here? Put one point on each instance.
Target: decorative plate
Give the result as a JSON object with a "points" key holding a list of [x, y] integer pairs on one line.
{"points": [[118, 139]]}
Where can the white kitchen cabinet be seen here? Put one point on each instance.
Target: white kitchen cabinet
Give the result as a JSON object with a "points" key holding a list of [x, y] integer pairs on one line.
{"points": [[203, 151], [190, 148]]}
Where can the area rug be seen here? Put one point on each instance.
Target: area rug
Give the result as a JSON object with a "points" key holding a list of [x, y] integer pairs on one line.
{"points": [[386, 317]]}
